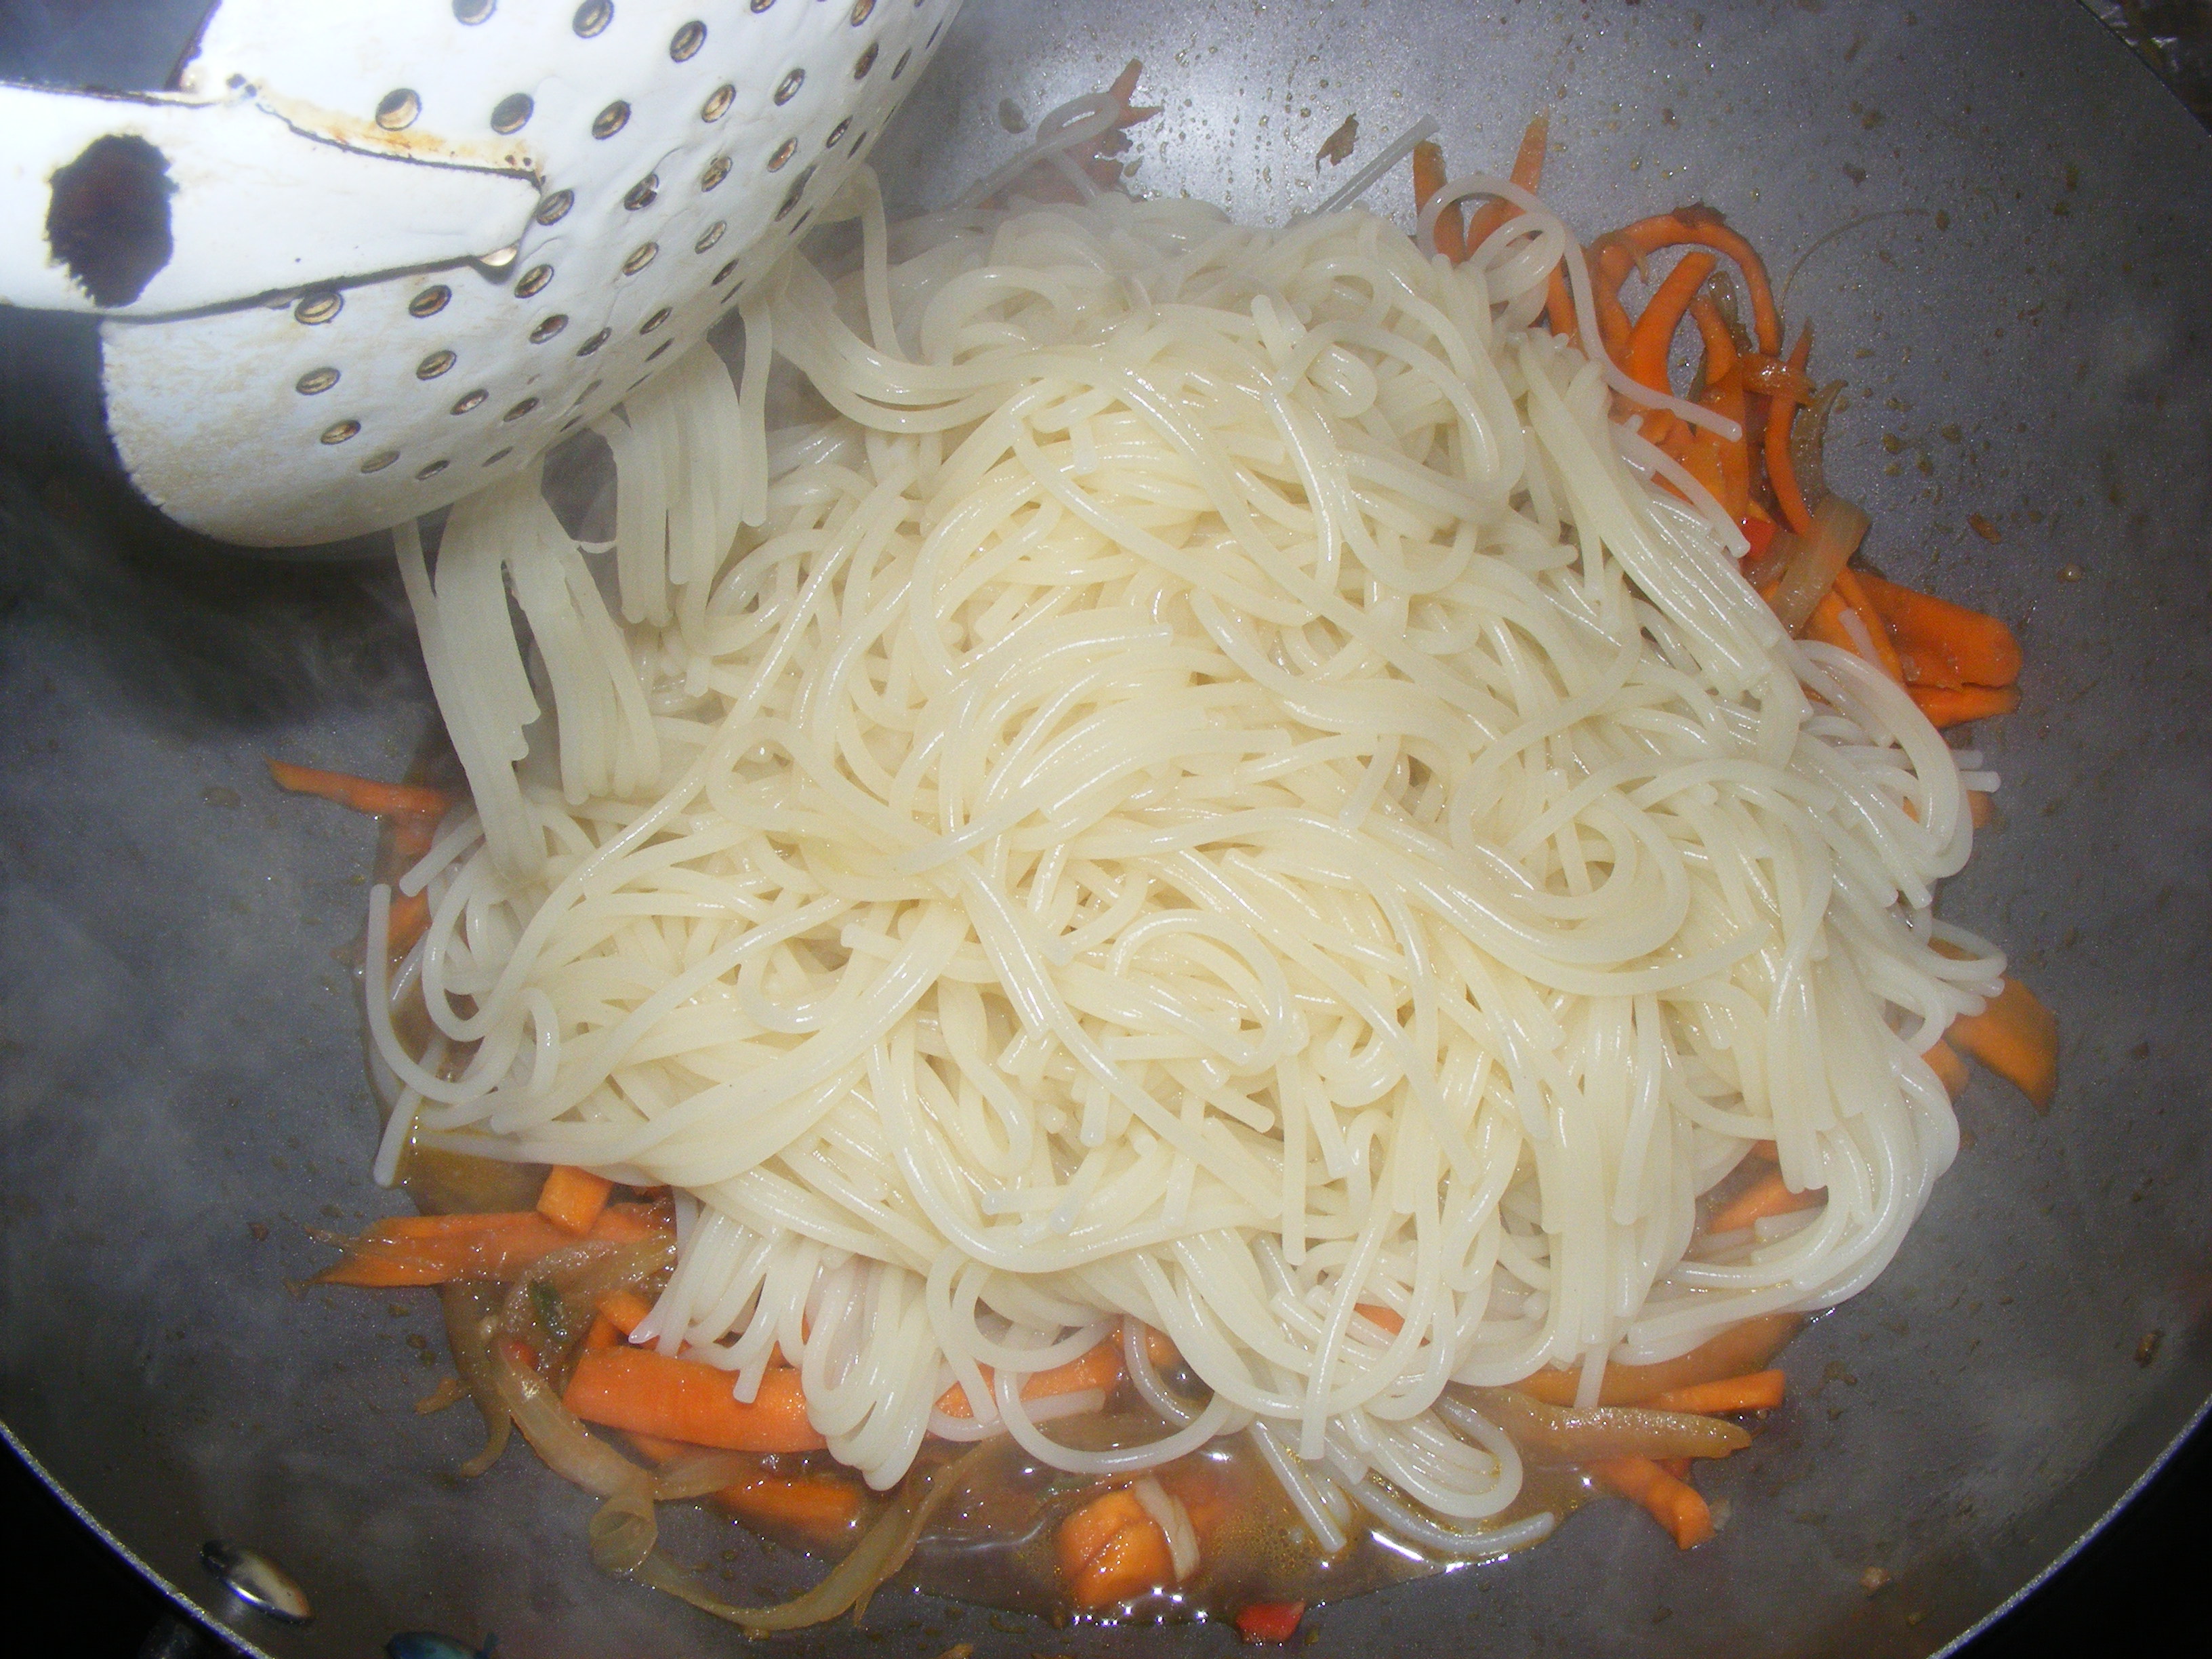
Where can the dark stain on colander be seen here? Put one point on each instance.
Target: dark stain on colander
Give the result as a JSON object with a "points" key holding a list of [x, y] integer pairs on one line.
{"points": [[107, 217]]}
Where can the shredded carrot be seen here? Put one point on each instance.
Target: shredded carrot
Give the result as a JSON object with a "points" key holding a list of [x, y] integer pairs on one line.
{"points": [[650, 1392], [1609, 265], [1429, 178], [1270, 1621], [821, 1507], [1757, 1391], [1713, 334], [1766, 1196], [1853, 596], [1781, 471], [624, 1310], [1957, 705], [406, 922], [1981, 808], [1159, 1347], [413, 835], [1763, 1149], [1673, 1502], [1650, 340], [1100, 1368], [1112, 1549], [1745, 1346], [1706, 227], [2016, 1037], [603, 1333], [1942, 644], [436, 1249], [1949, 1069], [1528, 172], [362, 794], [573, 1198], [1559, 306]]}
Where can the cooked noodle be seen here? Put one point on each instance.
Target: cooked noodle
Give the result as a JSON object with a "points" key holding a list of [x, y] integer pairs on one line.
{"points": [[1209, 790]]}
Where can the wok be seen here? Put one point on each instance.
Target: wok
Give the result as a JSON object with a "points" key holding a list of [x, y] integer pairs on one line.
{"points": [[2021, 214]]}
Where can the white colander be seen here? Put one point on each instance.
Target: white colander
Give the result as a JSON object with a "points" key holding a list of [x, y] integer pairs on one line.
{"points": [[374, 255]]}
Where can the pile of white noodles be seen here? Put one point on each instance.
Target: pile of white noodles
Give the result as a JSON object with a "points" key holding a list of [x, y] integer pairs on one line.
{"points": [[1208, 784]]}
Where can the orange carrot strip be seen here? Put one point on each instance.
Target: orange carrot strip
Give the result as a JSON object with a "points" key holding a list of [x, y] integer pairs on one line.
{"points": [[362, 794], [1674, 1503], [1941, 643], [821, 1506], [1112, 1549], [1528, 172], [1270, 1621], [1100, 1368], [1388, 1318], [1713, 334], [1766, 1196], [407, 921], [1159, 1347], [624, 1310], [1653, 335], [1759, 1391], [1741, 1347], [1724, 396], [603, 1333], [412, 835], [1949, 1069], [434, 1250], [1609, 265], [1781, 471], [573, 1198], [1981, 808], [1429, 178], [1956, 705], [1559, 306], [2016, 1037], [1706, 227], [649, 1393], [1849, 590]]}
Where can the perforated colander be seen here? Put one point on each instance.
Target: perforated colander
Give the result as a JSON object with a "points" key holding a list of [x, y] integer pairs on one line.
{"points": [[373, 254]]}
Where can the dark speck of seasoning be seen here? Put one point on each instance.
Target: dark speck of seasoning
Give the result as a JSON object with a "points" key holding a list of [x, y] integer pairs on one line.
{"points": [[395, 1309], [258, 1230], [2146, 1350], [417, 1342], [216, 795], [2069, 572], [1874, 1579], [1336, 149], [1942, 219], [1871, 119], [1855, 174], [1983, 528], [2064, 209]]}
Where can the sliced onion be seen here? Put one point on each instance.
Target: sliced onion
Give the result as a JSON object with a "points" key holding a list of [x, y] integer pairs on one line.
{"points": [[1809, 442], [555, 1434], [469, 1327], [1808, 564], [622, 1532], [1555, 1434]]}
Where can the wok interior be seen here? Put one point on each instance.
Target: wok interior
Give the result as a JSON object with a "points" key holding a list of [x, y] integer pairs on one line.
{"points": [[182, 1080]]}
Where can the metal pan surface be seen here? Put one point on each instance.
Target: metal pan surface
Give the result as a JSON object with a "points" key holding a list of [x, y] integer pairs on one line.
{"points": [[2003, 220]]}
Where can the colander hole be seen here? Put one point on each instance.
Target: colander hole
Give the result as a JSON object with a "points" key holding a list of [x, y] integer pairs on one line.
{"points": [[318, 307], [338, 433], [724, 274], [315, 381], [585, 393], [718, 102], [643, 192], [430, 301], [512, 112], [533, 282], [762, 5], [709, 236], [520, 410], [654, 322], [496, 457], [866, 63], [717, 170], [862, 11], [688, 40], [783, 153], [933, 33], [798, 190], [857, 142], [611, 120], [595, 343], [435, 365], [640, 257], [837, 133], [470, 11], [899, 68], [397, 108], [377, 462], [470, 400], [634, 385], [787, 89], [437, 466], [547, 328], [657, 349], [592, 16], [554, 208], [570, 422]]}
